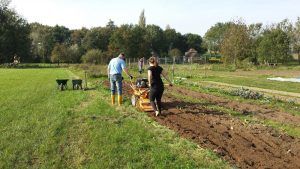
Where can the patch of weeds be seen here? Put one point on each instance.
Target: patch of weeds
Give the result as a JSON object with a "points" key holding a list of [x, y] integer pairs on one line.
{"points": [[246, 93], [210, 89], [291, 101], [179, 80], [222, 67], [267, 99]]}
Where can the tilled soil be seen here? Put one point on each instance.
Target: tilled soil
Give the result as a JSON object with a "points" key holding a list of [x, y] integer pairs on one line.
{"points": [[244, 145], [259, 111]]}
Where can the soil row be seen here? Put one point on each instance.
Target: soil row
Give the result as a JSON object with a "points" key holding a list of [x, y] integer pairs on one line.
{"points": [[244, 145]]}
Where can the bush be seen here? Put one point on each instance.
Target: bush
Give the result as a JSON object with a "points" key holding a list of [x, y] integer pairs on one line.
{"points": [[93, 56], [246, 93], [94, 71]]}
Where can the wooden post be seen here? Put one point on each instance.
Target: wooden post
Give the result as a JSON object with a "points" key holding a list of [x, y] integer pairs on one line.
{"points": [[205, 66], [85, 76], [129, 63], [173, 71], [165, 60], [191, 61]]}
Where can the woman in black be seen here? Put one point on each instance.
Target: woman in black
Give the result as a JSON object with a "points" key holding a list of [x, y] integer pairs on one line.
{"points": [[156, 84]]}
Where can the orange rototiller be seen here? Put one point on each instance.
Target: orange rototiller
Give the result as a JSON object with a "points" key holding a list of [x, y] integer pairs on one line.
{"points": [[140, 95]]}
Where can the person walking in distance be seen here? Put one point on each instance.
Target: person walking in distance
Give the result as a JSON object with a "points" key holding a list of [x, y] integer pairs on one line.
{"points": [[156, 84], [114, 71], [140, 65]]}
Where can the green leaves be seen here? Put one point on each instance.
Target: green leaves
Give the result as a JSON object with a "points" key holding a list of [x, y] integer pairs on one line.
{"points": [[236, 43], [93, 56], [14, 35], [274, 46]]}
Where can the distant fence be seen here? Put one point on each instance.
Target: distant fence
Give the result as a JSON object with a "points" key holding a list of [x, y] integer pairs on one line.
{"points": [[170, 60]]}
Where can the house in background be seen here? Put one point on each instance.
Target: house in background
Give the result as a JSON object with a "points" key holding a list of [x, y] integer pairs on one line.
{"points": [[190, 55]]}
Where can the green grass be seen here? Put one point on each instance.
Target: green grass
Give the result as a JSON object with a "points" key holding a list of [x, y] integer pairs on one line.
{"points": [[260, 82], [32, 116], [42, 127], [253, 78], [220, 73]]}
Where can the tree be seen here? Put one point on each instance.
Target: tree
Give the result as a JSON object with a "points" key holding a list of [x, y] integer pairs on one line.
{"points": [[4, 3], [255, 32], [130, 40], [119, 40], [296, 38], [97, 38], [78, 35], [175, 52], [61, 34], [42, 42], [142, 21], [274, 46], [172, 40], [59, 54], [154, 37], [168, 27], [74, 53], [95, 56], [14, 35], [139, 44], [286, 26], [194, 41], [235, 45], [214, 36]]}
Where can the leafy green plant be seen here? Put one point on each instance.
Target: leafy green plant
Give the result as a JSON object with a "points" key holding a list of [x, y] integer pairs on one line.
{"points": [[246, 93]]}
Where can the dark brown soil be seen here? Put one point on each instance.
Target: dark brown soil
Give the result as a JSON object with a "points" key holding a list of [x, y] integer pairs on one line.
{"points": [[263, 112], [244, 145]]}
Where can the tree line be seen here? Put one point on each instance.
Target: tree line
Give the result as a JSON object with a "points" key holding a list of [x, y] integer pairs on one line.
{"points": [[96, 45], [254, 43], [235, 41]]}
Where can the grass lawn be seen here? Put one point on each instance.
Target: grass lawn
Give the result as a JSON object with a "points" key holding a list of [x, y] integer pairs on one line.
{"points": [[42, 127], [259, 82]]}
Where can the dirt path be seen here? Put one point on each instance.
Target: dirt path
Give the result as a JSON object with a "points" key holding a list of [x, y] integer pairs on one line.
{"points": [[244, 145]]}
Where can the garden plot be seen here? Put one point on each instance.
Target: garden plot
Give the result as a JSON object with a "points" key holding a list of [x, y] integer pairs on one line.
{"points": [[246, 145]]}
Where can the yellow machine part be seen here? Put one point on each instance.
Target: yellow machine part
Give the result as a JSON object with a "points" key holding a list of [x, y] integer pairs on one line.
{"points": [[145, 105], [143, 100]]}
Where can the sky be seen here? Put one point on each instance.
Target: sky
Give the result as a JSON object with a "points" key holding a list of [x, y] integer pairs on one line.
{"points": [[186, 16]]}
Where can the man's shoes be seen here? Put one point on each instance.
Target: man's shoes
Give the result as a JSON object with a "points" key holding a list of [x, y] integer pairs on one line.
{"points": [[157, 113]]}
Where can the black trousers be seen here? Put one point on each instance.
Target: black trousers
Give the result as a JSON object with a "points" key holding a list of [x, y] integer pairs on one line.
{"points": [[156, 95]]}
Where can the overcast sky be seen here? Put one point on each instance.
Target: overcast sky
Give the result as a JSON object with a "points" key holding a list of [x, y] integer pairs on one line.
{"points": [[186, 16]]}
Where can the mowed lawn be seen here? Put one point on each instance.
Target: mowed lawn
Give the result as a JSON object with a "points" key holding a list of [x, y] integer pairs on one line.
{"points": [[42, 127]]}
